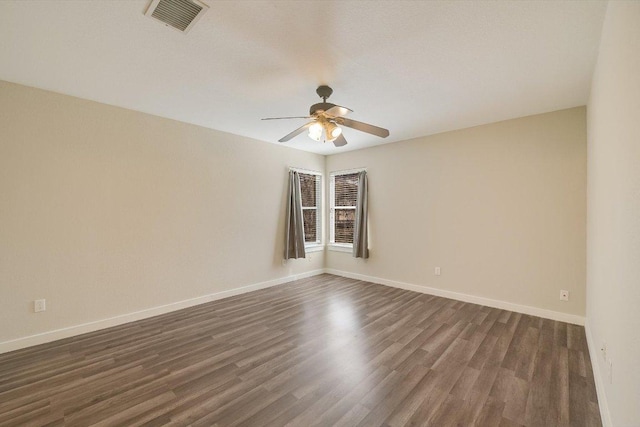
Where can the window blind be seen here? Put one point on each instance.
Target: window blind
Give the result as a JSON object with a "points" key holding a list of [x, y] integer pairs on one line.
{"points": [[310, 192], [344, 189]]}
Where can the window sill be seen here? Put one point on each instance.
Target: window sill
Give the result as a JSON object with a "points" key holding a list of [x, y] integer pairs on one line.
{"points": [[338, 247], [314, 248]]}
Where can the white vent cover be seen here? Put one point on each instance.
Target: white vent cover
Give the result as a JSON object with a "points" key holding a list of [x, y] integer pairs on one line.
{"points": [[178, 14]]}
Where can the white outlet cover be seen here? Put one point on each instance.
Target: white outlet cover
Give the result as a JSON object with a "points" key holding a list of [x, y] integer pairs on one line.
{"points": [[39, 305], [437, 271], [564, 295]]}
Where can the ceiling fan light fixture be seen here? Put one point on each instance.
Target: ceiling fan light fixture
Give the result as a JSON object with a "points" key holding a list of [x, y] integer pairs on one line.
{"points": [[333, 131], [315, 131]]}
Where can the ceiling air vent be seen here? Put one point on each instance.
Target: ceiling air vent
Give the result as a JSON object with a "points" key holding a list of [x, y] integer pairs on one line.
{"points": [[178, 14]]}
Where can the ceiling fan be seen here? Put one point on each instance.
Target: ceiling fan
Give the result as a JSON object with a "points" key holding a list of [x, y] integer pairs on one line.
{"points": [[326, 119]]}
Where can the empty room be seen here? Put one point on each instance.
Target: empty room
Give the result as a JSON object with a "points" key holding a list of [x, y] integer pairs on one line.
{"points": [[320, 213]]}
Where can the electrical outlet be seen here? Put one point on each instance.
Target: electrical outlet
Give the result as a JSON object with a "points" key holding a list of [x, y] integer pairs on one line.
{"points": [[603, 349], [284, 262], [39, 305], [437, 272], [564, 295]]}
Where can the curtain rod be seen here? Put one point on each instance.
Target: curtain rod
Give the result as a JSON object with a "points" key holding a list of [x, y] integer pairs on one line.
{"points": [[346, 171], [343, 171], [305, 170]]}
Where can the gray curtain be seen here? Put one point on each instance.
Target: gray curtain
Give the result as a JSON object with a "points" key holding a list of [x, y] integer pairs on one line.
{"points": [[294, 234], [360, 236]]}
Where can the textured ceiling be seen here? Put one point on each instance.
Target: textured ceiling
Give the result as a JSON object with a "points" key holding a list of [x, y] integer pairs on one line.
{"points": [[416, 68]]}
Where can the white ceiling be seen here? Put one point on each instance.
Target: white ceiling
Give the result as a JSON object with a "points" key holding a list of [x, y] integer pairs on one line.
{"points": [[416, 68]]}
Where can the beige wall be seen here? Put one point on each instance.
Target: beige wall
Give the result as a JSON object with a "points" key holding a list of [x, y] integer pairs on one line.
{"points": [[613, 246], [106, 211], [500, 208]]}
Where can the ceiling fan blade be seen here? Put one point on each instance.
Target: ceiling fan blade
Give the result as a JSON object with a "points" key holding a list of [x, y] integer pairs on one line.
{"points": [[295, 132], [340, 141], [338, 111], [293, 117], [364, 127]]}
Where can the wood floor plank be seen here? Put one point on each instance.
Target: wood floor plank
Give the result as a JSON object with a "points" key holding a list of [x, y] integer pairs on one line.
{"points": [[322, 351], [516, 400], [407, 408], [490, 414]]}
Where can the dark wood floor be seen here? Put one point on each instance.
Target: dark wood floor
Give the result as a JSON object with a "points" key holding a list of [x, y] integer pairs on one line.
{"points": [[323, 351]]}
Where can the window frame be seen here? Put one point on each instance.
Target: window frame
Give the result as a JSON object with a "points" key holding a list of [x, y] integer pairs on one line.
{"points": [[318, 245], [332, 245]]}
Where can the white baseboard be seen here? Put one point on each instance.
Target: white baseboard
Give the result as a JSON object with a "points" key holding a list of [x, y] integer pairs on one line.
{"points": [[534, 311], [71, 331], [605, 415]]}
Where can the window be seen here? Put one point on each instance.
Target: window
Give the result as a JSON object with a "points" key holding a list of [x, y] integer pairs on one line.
{"points": [[310, 189], [342, 216]]}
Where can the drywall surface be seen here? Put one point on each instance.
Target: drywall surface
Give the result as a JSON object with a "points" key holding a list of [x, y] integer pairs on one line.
{"points": [[613, 244], [500, 208], [106, 211]]}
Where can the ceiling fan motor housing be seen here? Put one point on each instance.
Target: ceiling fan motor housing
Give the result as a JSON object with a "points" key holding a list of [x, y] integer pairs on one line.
{"points": [[320, 106]]}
